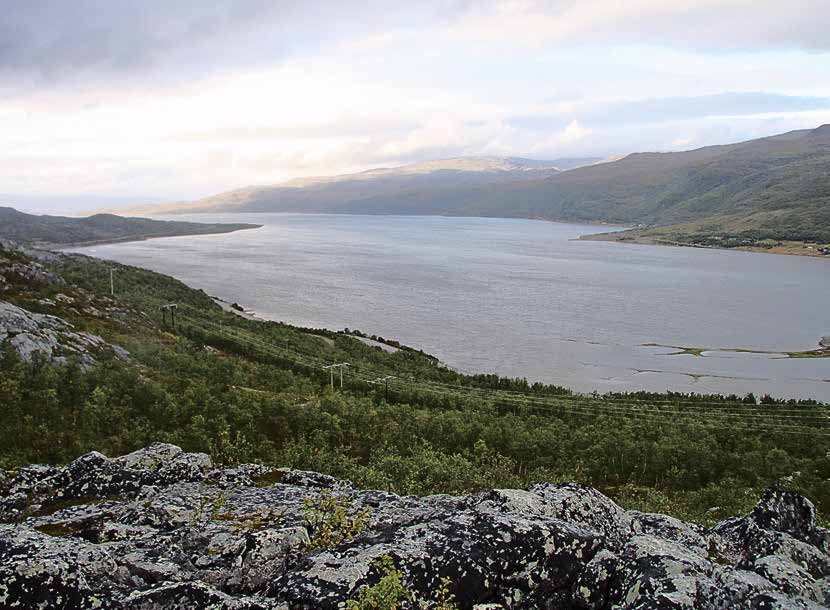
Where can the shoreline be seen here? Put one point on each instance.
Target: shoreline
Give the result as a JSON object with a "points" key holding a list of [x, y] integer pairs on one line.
{"points": [[822, 351], [142, 237], [796, 249], [625, 234]]}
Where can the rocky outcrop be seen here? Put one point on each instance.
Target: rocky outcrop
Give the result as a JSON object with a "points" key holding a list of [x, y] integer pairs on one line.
{"points": [[162, 529], [49, 337]]}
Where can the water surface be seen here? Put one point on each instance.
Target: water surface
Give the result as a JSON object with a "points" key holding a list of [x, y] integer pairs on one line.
{"points": [[521, 297]]}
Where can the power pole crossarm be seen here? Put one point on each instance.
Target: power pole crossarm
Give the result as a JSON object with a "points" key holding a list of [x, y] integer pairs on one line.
{"points": [[385, 382], [340, 366]]}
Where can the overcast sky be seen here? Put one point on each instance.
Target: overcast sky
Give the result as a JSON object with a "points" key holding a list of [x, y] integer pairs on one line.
{"points": [[134, 100]]}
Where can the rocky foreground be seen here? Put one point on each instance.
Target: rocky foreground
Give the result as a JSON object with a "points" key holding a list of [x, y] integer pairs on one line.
{"points": [[163, 529]]}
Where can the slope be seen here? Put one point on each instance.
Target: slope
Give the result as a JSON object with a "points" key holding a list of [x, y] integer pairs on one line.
{"points": [[774, 188], [61, 230], [326, 194]]}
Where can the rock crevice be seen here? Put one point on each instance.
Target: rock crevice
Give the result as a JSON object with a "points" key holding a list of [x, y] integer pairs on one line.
{"points": [[164, 529]]}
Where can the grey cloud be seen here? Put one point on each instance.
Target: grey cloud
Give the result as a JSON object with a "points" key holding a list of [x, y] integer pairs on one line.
{"points": [[679, 108], [54, 39], [43, 41], [703, 25], [674, 109]]}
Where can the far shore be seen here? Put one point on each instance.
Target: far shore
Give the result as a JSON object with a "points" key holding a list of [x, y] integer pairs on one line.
{"points": [[626, 237], [232, 228]]}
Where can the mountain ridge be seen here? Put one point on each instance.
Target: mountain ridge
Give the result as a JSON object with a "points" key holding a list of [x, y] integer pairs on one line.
{"points": [[98, 228], [426, 176], [758, 192]]}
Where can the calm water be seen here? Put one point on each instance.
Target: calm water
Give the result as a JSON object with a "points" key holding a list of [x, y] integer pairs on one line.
{"points": [[521, 297]]}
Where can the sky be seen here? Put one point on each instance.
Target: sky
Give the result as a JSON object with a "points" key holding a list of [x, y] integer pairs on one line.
{"points": [[117, 102]]}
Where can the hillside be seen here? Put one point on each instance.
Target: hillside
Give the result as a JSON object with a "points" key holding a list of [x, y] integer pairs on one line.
{"points": [[357, 192], [249, 512], [61, 230], [775, 188]]}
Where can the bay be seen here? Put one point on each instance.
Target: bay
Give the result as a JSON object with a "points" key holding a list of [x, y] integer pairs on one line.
{"points": [[521, 298]]}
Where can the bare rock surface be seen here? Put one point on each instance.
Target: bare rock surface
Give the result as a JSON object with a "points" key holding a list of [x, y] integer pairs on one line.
{"points": [[163, 529], [49, 337]]}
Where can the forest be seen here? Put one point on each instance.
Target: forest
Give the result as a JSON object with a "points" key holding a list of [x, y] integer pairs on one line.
{"points": [[252, 391]]}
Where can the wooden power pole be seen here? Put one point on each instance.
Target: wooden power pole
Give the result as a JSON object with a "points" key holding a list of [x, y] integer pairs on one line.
{"points": [[385, 382], [331, 368], [171, 307]]}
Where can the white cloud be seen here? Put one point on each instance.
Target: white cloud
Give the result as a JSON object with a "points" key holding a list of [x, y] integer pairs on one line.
{"points": [[573, 133], [323, 94]]}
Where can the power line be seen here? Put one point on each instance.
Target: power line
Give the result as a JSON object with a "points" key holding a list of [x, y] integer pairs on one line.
{"points": [[339, 367], [764, 407], [546, 400], [560, 402]]}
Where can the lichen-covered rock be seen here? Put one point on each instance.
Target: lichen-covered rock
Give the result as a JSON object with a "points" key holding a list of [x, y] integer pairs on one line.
{"points": [[35, 335], [39, 571], [669, 528], [652, 568], [786, 512], [590, 590], [587, 507], [486, 556], [304, 478], [188, 596], [268, 553], [162, 529], [788, 577]]}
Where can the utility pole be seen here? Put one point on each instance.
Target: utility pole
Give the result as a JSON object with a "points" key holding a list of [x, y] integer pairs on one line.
{"points": [[112, 282], [385, 381], [171, 307], [331, 368]]}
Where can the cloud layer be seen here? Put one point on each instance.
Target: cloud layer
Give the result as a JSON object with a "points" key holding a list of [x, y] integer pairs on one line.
{"points": [[181, 99]]}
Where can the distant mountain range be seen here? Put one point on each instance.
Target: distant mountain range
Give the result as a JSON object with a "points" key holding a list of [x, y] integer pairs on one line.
{"points": [[379, 191], [770, 188], [60, 230]]}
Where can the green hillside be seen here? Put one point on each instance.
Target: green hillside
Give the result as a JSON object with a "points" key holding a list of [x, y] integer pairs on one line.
{"points": [[775, 188], [61, 230], [245, 390]]}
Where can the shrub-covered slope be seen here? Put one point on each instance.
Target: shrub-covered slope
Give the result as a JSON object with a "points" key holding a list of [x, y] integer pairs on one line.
{"points": [[242, 390]]}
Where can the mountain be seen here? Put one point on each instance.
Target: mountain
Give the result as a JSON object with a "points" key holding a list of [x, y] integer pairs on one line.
{"points": [[61, 230], [356, 193], [774, 188], [770, 188]]}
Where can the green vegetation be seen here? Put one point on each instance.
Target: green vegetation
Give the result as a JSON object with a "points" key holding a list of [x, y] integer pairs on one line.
{"points": [[332, 520], [445, 600], [245, 391], [98, 228], [750, 194], [388, 593]]}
